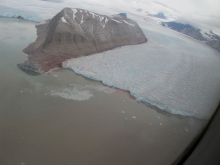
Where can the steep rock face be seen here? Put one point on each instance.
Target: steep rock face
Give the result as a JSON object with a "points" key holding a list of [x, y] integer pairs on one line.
{"points": [[215, 44], [185, 29], [76, 32]]}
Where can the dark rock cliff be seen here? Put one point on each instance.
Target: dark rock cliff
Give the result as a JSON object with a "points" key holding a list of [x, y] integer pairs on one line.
{"points": [[185, 29]]}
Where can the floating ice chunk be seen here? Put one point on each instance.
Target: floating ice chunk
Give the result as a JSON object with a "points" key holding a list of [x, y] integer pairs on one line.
{"points": [[133, 116], [74, 94], [158, 117], [126, 119], [160, 123], [122, 111]]}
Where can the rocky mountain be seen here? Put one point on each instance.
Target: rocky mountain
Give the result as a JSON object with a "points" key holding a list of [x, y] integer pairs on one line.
{"points": [[76, 32], [210, 38], [159, 15], [185, 29]]}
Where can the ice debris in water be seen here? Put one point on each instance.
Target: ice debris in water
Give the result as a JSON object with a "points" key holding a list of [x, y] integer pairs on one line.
{"points": [[125, 118], [158, 117], [55, 76], [74, 94], [133, 116], [122, 111]]}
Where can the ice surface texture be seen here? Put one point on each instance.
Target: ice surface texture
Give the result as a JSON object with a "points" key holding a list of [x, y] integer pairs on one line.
{"points": [[171, 72], [15, 13]]}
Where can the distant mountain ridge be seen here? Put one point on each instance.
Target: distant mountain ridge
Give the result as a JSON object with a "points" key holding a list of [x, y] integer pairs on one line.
{"points": [[211, 39], [185, 29]]}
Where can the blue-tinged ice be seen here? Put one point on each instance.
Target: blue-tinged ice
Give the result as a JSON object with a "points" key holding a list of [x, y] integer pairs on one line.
{"points": [[170, 71], [8, 12]]}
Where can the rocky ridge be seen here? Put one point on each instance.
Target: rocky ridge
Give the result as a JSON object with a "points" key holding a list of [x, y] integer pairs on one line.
{"points": [[76, 32], [209, 38], [185, 29]]}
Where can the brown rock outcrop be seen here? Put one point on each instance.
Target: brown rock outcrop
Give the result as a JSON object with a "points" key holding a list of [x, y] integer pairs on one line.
{"points": [[76, 32]]}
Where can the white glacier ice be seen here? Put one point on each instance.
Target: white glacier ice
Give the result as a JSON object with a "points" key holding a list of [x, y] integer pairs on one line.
{"points": [[170, 71]]}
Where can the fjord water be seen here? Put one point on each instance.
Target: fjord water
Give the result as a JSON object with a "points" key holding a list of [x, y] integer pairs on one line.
{"points": [[63, 118], [170, 71]]}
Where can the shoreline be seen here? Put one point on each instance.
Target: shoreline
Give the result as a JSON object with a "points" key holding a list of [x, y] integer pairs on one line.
{"points": [[148, 103]]}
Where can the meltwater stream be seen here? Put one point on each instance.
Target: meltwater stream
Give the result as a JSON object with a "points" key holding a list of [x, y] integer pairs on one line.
{"points": [[170, 71]]}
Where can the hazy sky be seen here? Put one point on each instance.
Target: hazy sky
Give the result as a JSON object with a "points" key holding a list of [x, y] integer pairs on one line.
{"points": [[204, 14]]}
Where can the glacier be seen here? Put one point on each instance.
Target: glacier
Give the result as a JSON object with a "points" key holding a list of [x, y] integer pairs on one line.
{"points": [[39, 11], [8, 12], [170, 71]]}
